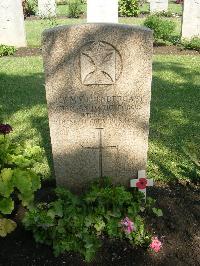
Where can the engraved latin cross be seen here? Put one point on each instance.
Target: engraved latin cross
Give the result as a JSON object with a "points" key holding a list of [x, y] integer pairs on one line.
{"points": [[100, 147]]}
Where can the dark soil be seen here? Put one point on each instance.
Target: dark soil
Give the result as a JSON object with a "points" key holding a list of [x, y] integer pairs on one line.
{"points": [[157, 50], [178, 229]]}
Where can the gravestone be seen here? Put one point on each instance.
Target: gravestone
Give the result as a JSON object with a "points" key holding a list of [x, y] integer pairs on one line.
{"points": [[46, 8], [191, 19], [12, 30], [98, 87], [102, 11], [158, 5]]}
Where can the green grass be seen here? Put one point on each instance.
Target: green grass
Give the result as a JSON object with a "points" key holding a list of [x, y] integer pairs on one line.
{"points": [[62, 10], [175, 109], [34, 28], [23, 103], [174, 8]]}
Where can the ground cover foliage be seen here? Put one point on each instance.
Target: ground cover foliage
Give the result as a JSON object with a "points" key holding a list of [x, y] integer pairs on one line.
{"points": [[174, 149], [18, 180], [72, 223], [174, 138]]}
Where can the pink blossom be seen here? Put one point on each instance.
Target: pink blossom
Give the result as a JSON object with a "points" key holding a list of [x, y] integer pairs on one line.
{"points": [[128, 225], [155, 244]]}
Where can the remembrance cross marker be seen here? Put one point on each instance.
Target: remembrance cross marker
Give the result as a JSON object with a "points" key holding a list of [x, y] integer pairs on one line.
{"points": [[142, 182]]}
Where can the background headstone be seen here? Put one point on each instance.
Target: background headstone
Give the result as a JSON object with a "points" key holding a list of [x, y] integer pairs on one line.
{"points": [[191, 19], [98, 87], [158, 5], [12, 30], [46, 8], [102, 11]]}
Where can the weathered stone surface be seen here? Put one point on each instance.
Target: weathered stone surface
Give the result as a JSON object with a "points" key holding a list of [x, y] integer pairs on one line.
{"points": [[158, 5], [102, 11], [98, 86], [46, 8], [12, 30], [191, 19]]}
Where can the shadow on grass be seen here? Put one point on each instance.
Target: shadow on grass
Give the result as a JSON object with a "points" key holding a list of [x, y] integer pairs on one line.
{"points": [[23, 101], [174, 123]]}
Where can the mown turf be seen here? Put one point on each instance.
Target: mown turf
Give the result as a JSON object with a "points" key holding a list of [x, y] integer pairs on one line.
{"points": [[175, 109], [62, 10], [34, 28], [175, 117]]}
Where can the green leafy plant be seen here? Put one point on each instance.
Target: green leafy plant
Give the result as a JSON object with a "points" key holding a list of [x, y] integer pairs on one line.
{"points": [[76, 223], [128, 8], [162, 28], [61, 2], [18, 181], [6, 226], [6, 50], [74, 8], [164, 13], [29, 7], [193, 44]]}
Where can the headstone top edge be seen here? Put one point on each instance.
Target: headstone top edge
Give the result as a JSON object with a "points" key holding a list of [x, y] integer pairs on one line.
{"points": [[97, 25]]}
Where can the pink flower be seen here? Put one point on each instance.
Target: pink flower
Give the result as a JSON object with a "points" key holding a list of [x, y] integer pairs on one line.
{"points": [[155, 244], [127, 225]]}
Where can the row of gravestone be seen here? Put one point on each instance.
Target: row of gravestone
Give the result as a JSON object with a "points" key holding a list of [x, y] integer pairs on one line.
{"points": [[12, 31]]}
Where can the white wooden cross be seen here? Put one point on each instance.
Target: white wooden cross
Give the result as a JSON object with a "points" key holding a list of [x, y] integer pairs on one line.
{"points": [[142, 182]]}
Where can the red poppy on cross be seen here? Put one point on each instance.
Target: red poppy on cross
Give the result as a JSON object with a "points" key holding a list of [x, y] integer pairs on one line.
{"points": [[142, 182]]}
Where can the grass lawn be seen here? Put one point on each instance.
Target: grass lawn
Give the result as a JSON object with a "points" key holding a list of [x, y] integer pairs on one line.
{"points": [[174, 124], [34, 28], [62, 10]]}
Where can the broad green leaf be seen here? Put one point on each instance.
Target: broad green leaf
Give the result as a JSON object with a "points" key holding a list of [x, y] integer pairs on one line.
{"points": [[36, 184], [51, 213], [6, 188], [6, 174], [6, 226], [157, 212], [21, 161], [22, 180], [99, 226], [6, 205], [58, 208], [26, 198], [6, 185]]}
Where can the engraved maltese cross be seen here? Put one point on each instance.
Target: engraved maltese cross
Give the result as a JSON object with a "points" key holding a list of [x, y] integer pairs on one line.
{"points": [[98, 64]]}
